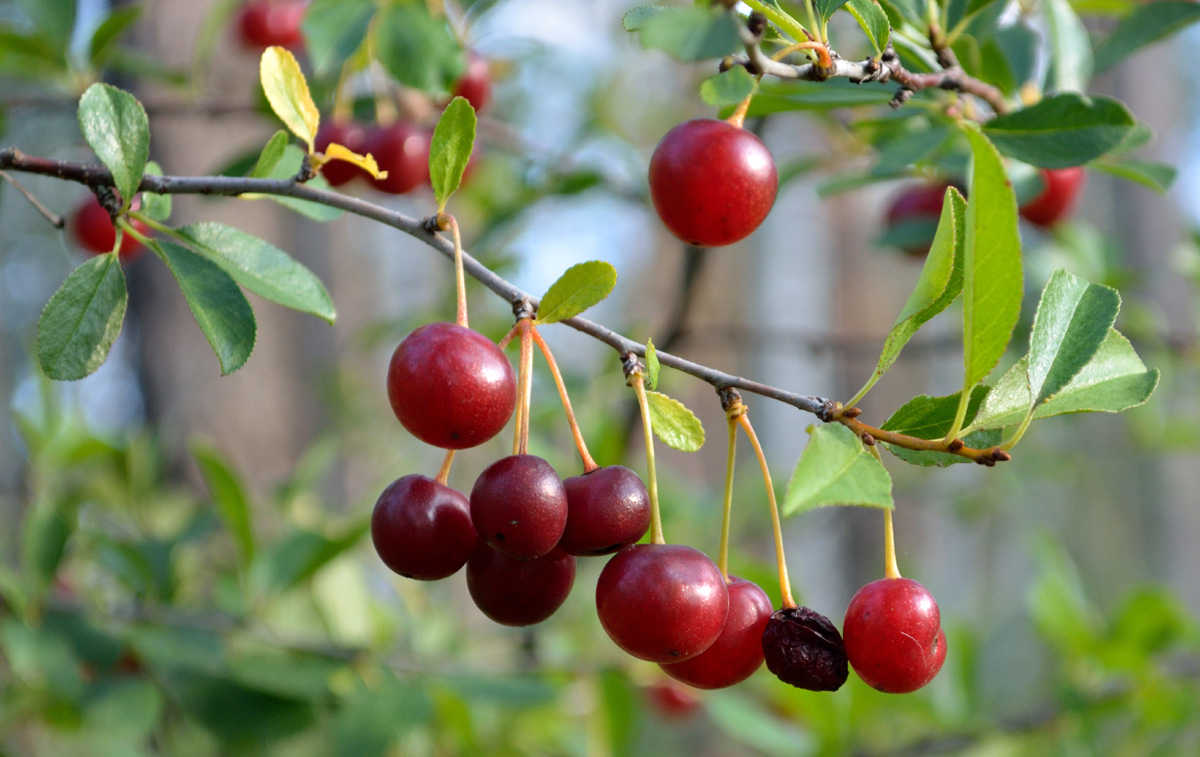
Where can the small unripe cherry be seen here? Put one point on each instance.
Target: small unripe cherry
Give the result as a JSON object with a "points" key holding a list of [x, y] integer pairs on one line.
{"points": [[93, 229], [1061, 190], [893, 635]]}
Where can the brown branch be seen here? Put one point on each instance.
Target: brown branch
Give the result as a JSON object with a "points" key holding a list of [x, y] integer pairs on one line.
{"points": [[871, 435]]}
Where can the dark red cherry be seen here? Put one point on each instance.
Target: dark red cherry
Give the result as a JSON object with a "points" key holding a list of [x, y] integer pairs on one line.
{"points": [[803, 648], [737, 652], [264, 23], [519, 592], [94, 231], [348, 134], [475, 83], [662, 602], [422, 529], [894, 637], [607, 509], [450, 386], [402, 150], [519, 506], [711, 182], [913, 215], [1062, 188]]}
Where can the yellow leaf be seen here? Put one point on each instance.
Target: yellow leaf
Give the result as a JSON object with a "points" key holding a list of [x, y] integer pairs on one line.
{"points": [[338, 152], [287, 91]]}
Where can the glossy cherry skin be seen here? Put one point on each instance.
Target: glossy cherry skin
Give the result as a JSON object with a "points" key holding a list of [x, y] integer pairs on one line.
{"points": [[450, 386], [1062, 188], [519, 506], [662, 602], [519, 592], [264, 23], [422, 529], [475, 83], [94, 231], [712, 183], [348, 134], [921, 204], [607, 509], [402, 150], [737, 652], [893, 634]]}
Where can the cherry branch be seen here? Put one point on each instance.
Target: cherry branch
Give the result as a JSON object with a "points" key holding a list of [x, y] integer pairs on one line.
{"points": [[425, 230]]}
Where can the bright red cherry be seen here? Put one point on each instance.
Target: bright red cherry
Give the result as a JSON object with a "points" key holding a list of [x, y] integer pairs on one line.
{"points": [[519, 506], [94, 231], [893, 634], [475, 83], [450, 386], [264, 23], [519, 592], [1062, 188], [738, 651], [662, 602], [348, 134], [402, 150], [607, 509], [711, 182], [912, 218], [422, 529]]}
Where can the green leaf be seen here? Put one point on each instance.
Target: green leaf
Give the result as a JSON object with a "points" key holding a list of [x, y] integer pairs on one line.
{"points": [[678, 427], [691, 33], [334, 30], [905, 9], [747, 722], [1147, 24], [82, 319], [126, 711], [909, 147], [1062, 131], [228, 497], [940, 284], [110, 30], [1020, 45], [928, 417], [270, 156], [416, 48], [580, 287], [219, 307], [372, 718], [826, 8], [728, 88], [780, 97], [262, 268], [298, 556], [619, 703], [1156, 176], [155, 206], [635, 19], [873, 21], [286, 89], [42, 545], [836, 469], [1070, 48], [652, 366], [450, 149], [115, 125], [55, 19]]}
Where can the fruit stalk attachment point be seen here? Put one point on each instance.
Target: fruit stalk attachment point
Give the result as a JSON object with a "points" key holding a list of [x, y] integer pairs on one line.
{"points": [[635, 377]]}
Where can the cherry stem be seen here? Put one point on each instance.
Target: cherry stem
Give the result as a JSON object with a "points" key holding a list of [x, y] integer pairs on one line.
{"points": [[445, 221], [444, 473], [785, 586], [891, 569], [589, 464], [638, 382], [738, 117], [512, 334], [526, 388], [819, 48], [723, 555]]}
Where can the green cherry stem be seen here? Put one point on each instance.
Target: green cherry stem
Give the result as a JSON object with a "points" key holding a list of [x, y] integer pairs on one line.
{"points": [[445, 221], [731, 416], [444, 473], [891, 569], [589, 464], [785, 585], [638, 382]]}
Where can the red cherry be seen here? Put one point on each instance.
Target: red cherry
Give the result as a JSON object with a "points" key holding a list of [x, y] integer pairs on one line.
{"points": [[475, 83], [607, 509], [672, 700], [1062, 187], [264, 23], [519, 592], [94, 231], [662, 602], [893, 635], [913, 216], [738, 651], [348, 134], [519, 506], [422, 529], [403, 151], [711, 182], [450, 386]]}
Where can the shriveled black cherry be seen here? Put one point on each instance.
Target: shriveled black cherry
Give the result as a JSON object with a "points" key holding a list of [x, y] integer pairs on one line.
{"points": [[422, 529], [738, 651], [804, 648], [519, 592], [519, 506], [894, 635], [607, 508]]}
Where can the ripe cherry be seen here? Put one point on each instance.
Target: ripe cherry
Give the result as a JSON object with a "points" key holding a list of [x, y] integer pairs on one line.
{"points": [[348, 134], [450, 386], [711, 182], [264, 23], [662, 602], [737, 652], [475, 83], [422, 529], [894, 637], [1062, 188], [94, 231], [402, 150], [519, 592], [607, 508], [519, 506], [912, 218]]}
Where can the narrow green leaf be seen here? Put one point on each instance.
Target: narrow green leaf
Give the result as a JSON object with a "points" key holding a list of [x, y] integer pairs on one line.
{"points": [[1070, 48], [334, 30], [450, 149], [82, 319], [228, 497], [1147, 24], [678, 427], [826, 8], [1062, 131], [286, 89], [262, 268], [270, 156], [873, 21], [115, 126], [298, 556], [155, 206], [690, 34], [635, 19], [580, 287], [906, 10], [780, 97], [416, 48], [1020, 46], [219, 307], [835, 469], [1156, 176], [928, 417], [728, 88], [110, 30], [652, 366]]}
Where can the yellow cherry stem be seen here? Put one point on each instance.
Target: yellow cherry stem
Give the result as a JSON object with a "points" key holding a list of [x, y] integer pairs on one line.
{"points": [[589, 464], [785, 585], [637, 381]]}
